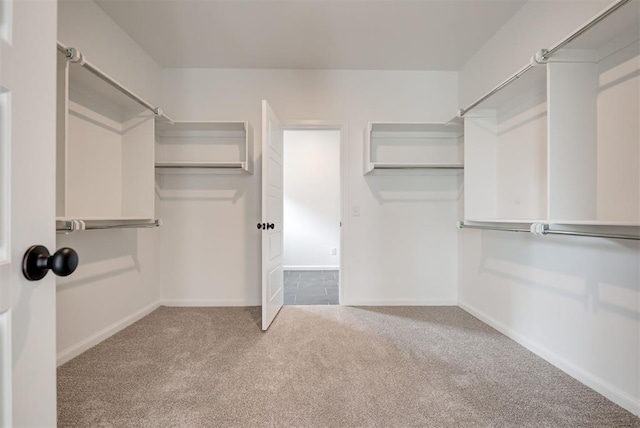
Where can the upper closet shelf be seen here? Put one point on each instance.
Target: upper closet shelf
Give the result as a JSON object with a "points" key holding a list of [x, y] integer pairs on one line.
{"points": [[527, 84], [528, 79], [413, 146], [95, 83], [593, 35], [225, 146]]}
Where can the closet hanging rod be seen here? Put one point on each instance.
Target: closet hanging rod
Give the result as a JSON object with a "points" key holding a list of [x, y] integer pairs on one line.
{"points": [[69, 226], [463, 225], [545, 54], [604, 14], [547, 231], [75, 56], [592, 234], [498, 88]]}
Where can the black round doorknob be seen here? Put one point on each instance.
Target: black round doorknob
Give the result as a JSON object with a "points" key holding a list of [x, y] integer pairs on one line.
{"points": [[37, 262]]}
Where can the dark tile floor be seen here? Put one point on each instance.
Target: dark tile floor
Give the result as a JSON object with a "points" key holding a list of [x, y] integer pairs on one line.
{"points": [[311, 287]]}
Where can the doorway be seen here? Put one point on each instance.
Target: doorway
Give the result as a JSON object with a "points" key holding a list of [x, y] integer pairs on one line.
{"points": [[312, 215]]}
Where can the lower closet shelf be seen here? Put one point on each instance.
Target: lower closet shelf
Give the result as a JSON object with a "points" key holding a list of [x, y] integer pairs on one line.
{"points": [[388, 166], [240, 166]]}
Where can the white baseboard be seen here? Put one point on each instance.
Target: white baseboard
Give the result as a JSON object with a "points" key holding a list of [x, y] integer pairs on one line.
{"points": [[103, 334], [208, 303], [596, 383], [319, 267], [398, 302]]}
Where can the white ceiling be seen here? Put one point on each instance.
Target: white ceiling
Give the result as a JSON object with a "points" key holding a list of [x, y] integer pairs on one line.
{"points": [[311, 34]]}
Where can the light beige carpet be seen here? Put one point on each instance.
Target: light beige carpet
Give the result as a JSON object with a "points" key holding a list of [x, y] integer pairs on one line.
{"points": [[321, 366]]}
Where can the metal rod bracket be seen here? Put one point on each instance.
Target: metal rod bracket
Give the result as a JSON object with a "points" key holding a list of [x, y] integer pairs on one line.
{"points": [[540, 57], [75, 56]]}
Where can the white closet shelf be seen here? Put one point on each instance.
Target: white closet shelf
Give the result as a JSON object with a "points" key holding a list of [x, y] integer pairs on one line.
{"points": [[593, 35], [451, 129], [172, 128], [223, 146], [425, 166], [104, 95], [505, 220], [413, 146], [190, 164]]}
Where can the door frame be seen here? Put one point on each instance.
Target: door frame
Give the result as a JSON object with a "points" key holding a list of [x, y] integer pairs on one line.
{"points": [[322, 125]]}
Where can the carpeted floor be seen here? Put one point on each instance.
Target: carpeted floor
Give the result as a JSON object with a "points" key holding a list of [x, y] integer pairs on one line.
{"points": [[322, 366]]}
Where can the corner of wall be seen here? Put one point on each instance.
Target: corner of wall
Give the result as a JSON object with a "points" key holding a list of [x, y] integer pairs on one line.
{"points": [[117, 281]]}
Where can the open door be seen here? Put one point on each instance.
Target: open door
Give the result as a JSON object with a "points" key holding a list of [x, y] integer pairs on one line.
{"points": [[272, 209], [27, 212]]}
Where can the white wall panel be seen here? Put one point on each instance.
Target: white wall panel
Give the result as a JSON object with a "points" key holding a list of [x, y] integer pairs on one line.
{"points": [[401, 249]]}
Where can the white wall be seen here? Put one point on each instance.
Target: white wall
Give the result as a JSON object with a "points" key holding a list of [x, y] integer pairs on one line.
{"points": [[573, 300], [400, 250], [311, 199], [117, 279]]}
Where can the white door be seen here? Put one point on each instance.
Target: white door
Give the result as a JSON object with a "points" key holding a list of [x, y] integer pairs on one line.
{"points": [[272, 209], [27, 211]]}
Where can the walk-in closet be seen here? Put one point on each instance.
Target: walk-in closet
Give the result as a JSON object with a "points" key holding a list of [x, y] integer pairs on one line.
{"points": [[319, 213]]}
